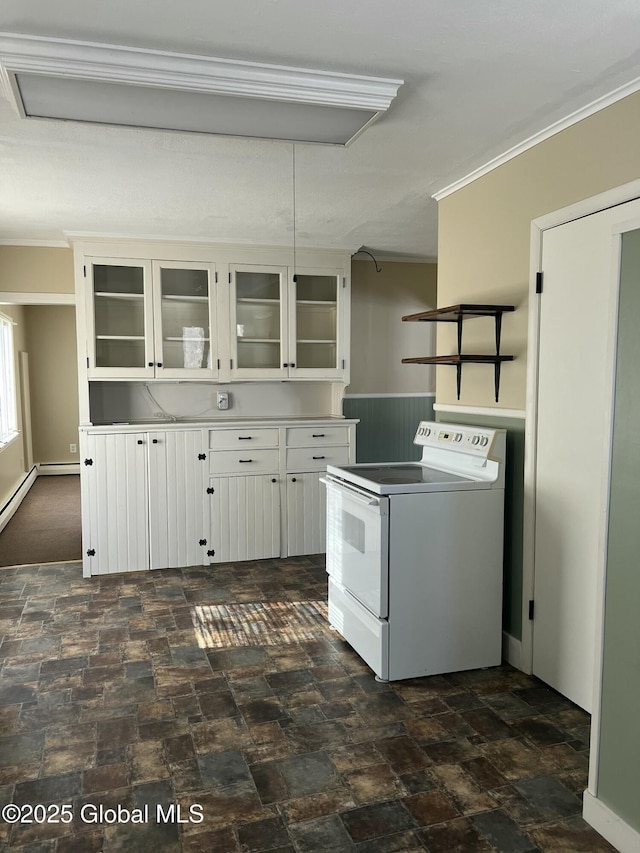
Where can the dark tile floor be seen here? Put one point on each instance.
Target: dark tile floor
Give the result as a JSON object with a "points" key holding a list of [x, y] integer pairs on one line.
{"points": [[221, 693]]}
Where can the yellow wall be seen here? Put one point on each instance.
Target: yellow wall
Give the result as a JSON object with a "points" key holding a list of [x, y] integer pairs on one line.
{"points": [[51, 343], [35, 269], [484, 236], [379, 338]]}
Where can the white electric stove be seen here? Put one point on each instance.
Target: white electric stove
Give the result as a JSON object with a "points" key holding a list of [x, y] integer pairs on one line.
{"points": [[414, 554]]}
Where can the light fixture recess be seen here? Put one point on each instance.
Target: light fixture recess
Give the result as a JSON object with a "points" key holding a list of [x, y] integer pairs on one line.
{"points": [[112, 84]]}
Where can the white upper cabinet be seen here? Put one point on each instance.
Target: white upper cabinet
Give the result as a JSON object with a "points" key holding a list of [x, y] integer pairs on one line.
{"points": [[286, 324], [150, 319], [175, 311], [315, 335], [258, 301]]}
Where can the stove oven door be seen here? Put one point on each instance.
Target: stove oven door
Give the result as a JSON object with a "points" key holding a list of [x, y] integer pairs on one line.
{"points": [[358, 544]]}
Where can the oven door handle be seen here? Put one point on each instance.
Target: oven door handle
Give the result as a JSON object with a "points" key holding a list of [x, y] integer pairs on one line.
{"points": [[365, 497]]}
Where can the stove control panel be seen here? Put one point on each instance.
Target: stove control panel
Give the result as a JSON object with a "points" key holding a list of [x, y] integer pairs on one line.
{"points": [[468, 439]]}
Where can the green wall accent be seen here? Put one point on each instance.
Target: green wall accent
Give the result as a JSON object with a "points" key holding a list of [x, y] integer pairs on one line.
{"points": [[387, 426], [513, 511], [619, 766]]}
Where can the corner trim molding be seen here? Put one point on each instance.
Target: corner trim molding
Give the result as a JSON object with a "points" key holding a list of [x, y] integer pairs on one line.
{"points": [[605, 821], [547, 132], [12, 505], [481, 411]]}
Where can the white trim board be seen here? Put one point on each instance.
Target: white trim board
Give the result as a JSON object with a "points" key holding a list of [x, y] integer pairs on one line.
{"points": [[391, 396], [480, 411], [17, 298], [512, 650], [48, 469], [605, 821], [573, 118], [46, 244], [18, 496]]}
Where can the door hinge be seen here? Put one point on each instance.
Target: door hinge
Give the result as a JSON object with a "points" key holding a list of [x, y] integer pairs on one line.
{"points": [[88, 461], [531, 609], [91, 552], [210, 490], [211, 553], [202, 456], [538, 282], [203, 542]]}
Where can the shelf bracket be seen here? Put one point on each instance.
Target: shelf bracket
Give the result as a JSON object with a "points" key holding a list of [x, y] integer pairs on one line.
{"points": [[458, 377], [497, 379], [498, 319]]}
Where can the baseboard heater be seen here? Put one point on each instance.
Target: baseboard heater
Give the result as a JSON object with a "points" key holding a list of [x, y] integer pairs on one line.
{"points": [[17, 497]]}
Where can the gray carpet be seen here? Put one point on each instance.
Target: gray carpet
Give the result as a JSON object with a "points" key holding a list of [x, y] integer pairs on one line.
{"points": [[46, 528]]}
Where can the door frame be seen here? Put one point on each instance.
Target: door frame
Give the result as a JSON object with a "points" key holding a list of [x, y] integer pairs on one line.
{"points": [[611, 198]]}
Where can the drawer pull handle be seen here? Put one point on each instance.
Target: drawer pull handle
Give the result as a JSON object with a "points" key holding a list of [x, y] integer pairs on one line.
{"points": [[318, 457], [245, 437], [245, 460], [317, 435]]}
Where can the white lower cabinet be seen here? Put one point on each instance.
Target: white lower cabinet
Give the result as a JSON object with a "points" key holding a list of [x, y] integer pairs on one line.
{"points": [[176, 497], [306, 514], [245, 518], [142, 501]]}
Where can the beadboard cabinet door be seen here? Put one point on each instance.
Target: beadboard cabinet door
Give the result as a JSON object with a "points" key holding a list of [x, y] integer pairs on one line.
{"points": [[114, 488], [143, 501], [245, 518], [177, 504], [306, 514]]}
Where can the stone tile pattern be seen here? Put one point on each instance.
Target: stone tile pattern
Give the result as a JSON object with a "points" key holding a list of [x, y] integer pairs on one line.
{"points": [[107, 698]]}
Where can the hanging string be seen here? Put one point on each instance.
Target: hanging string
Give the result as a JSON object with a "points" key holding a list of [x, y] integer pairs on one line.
{"points": [[293, 166]]}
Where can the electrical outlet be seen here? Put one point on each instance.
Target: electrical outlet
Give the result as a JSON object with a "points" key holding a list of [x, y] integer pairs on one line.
{"points": [[73, 448], [223, 400]]}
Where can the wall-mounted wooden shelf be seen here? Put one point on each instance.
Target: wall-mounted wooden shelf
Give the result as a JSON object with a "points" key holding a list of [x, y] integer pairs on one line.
{"points": [[457, 314]]}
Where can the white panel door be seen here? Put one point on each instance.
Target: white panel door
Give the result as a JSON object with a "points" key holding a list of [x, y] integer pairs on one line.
{"points": [[114, 485], [177, 499], [572, 457], [306, 514], [245, 518]]}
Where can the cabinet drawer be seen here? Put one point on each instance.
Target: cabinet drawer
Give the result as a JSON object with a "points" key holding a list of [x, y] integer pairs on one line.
{"points": [[244, 461], [310, 436], [315, 458], [230, 439]]}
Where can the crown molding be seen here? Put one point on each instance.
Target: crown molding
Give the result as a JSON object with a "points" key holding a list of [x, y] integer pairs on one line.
{"points": [[140, 66], [48, 244], [573, 118]]}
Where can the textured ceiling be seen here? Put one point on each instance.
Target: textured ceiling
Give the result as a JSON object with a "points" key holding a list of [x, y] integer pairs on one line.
{"points": [[480, 77]]}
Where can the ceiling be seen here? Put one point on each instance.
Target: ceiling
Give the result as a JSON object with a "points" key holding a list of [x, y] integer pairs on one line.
{"points": [[481, 76]]}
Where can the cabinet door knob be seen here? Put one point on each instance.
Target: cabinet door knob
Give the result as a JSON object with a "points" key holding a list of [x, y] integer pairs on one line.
{"points": [[292, 365], [140, 441], [154, 441], [293, 480], [159, 364], [285, 365], [150, 364], [273, 480]]}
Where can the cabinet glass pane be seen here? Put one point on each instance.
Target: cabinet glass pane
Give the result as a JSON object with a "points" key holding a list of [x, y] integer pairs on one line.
{"points": [[316, 321], [185, 318], [118, 300], [258, 319]]}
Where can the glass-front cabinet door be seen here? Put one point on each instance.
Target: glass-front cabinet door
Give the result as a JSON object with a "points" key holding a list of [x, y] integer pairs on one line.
{"points": [[185, 343], [120, 318], [314, 329], [258, 322]]}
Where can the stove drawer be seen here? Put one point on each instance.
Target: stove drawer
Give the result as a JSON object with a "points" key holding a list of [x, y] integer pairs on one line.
{"points": [[368, 635]]}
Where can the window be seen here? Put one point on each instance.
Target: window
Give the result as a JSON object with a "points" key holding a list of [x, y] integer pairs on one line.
{"points": [[8, 419]]}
